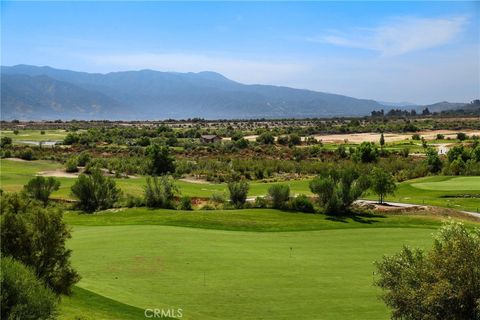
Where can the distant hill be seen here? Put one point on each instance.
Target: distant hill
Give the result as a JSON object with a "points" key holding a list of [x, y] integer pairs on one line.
{"points": [[31, 92], [43, 92], [41, 97]]}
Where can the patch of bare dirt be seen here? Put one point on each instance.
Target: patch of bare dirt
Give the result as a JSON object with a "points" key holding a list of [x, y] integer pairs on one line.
{"points": [[390, 137]]}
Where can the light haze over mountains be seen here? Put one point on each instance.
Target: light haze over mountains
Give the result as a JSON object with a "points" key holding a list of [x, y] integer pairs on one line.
{"points": [[33, 93]]}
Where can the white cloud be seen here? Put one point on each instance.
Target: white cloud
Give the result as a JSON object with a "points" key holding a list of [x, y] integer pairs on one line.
{"points": [[243, 70], [400, 35]]}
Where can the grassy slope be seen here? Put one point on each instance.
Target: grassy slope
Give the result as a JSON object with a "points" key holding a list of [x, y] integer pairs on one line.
{"points": [[246, 220], [216, 274], [149, 263], [86, 305]]}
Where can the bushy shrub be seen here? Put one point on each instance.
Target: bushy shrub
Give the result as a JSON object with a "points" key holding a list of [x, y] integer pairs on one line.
{"points": [[24, 296], [283, 140], [442, 283], [186, 203], [405, 152], [7, 154], [41, 188], [302, 203], [266, 138], [338, 189], [294, 139], [279, 194], [83, 159], [5, 142], [242, 143], [160, 192], [341, 151], [26, 154], [462, 136], [260, 202], [36, 237], [433, 160], [218, 198], [71, 165], [366, 152], [238, 193], [160, 160], [95, 192], [71, 138], [133, 201]]}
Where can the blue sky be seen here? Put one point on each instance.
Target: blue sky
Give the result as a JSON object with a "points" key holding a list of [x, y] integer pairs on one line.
{"points": [[420, 52]]}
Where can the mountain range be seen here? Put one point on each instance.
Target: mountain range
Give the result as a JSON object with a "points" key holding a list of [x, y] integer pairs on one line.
{"points": [[45, 93]]}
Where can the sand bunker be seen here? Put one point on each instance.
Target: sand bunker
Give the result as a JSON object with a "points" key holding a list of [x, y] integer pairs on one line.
{"points": [[59, 173], [195, 180]]}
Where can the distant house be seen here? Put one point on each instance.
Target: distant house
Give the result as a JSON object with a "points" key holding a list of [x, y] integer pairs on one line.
{"points": [[210, 138]]}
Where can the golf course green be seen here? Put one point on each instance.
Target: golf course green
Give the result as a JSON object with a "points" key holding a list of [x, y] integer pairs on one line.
{"points": [[234, 264]]}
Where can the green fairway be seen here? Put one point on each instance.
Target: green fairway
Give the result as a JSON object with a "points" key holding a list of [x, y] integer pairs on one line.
{"points": [[234, 264], [216, 274], [34, 135], [15, 174], [462, 193], [450, 184]]}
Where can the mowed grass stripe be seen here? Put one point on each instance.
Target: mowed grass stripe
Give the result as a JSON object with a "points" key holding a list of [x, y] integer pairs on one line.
{"points": [[217, 274]]}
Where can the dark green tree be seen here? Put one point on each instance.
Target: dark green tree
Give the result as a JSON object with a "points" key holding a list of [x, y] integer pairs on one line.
{"points": [[238, 193], [338, 190], [160, 160], [36, 236], [279, 194], [366, 152], [433, 160], [266, 138], [160, 192], [382, 183], [95, 191], [5, 142]]}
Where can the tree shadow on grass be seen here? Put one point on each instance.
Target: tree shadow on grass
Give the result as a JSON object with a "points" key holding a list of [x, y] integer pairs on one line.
{"points": [[360, 217]]}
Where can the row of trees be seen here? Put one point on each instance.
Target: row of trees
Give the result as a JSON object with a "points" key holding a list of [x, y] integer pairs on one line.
{"points": [[336, 190]]}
